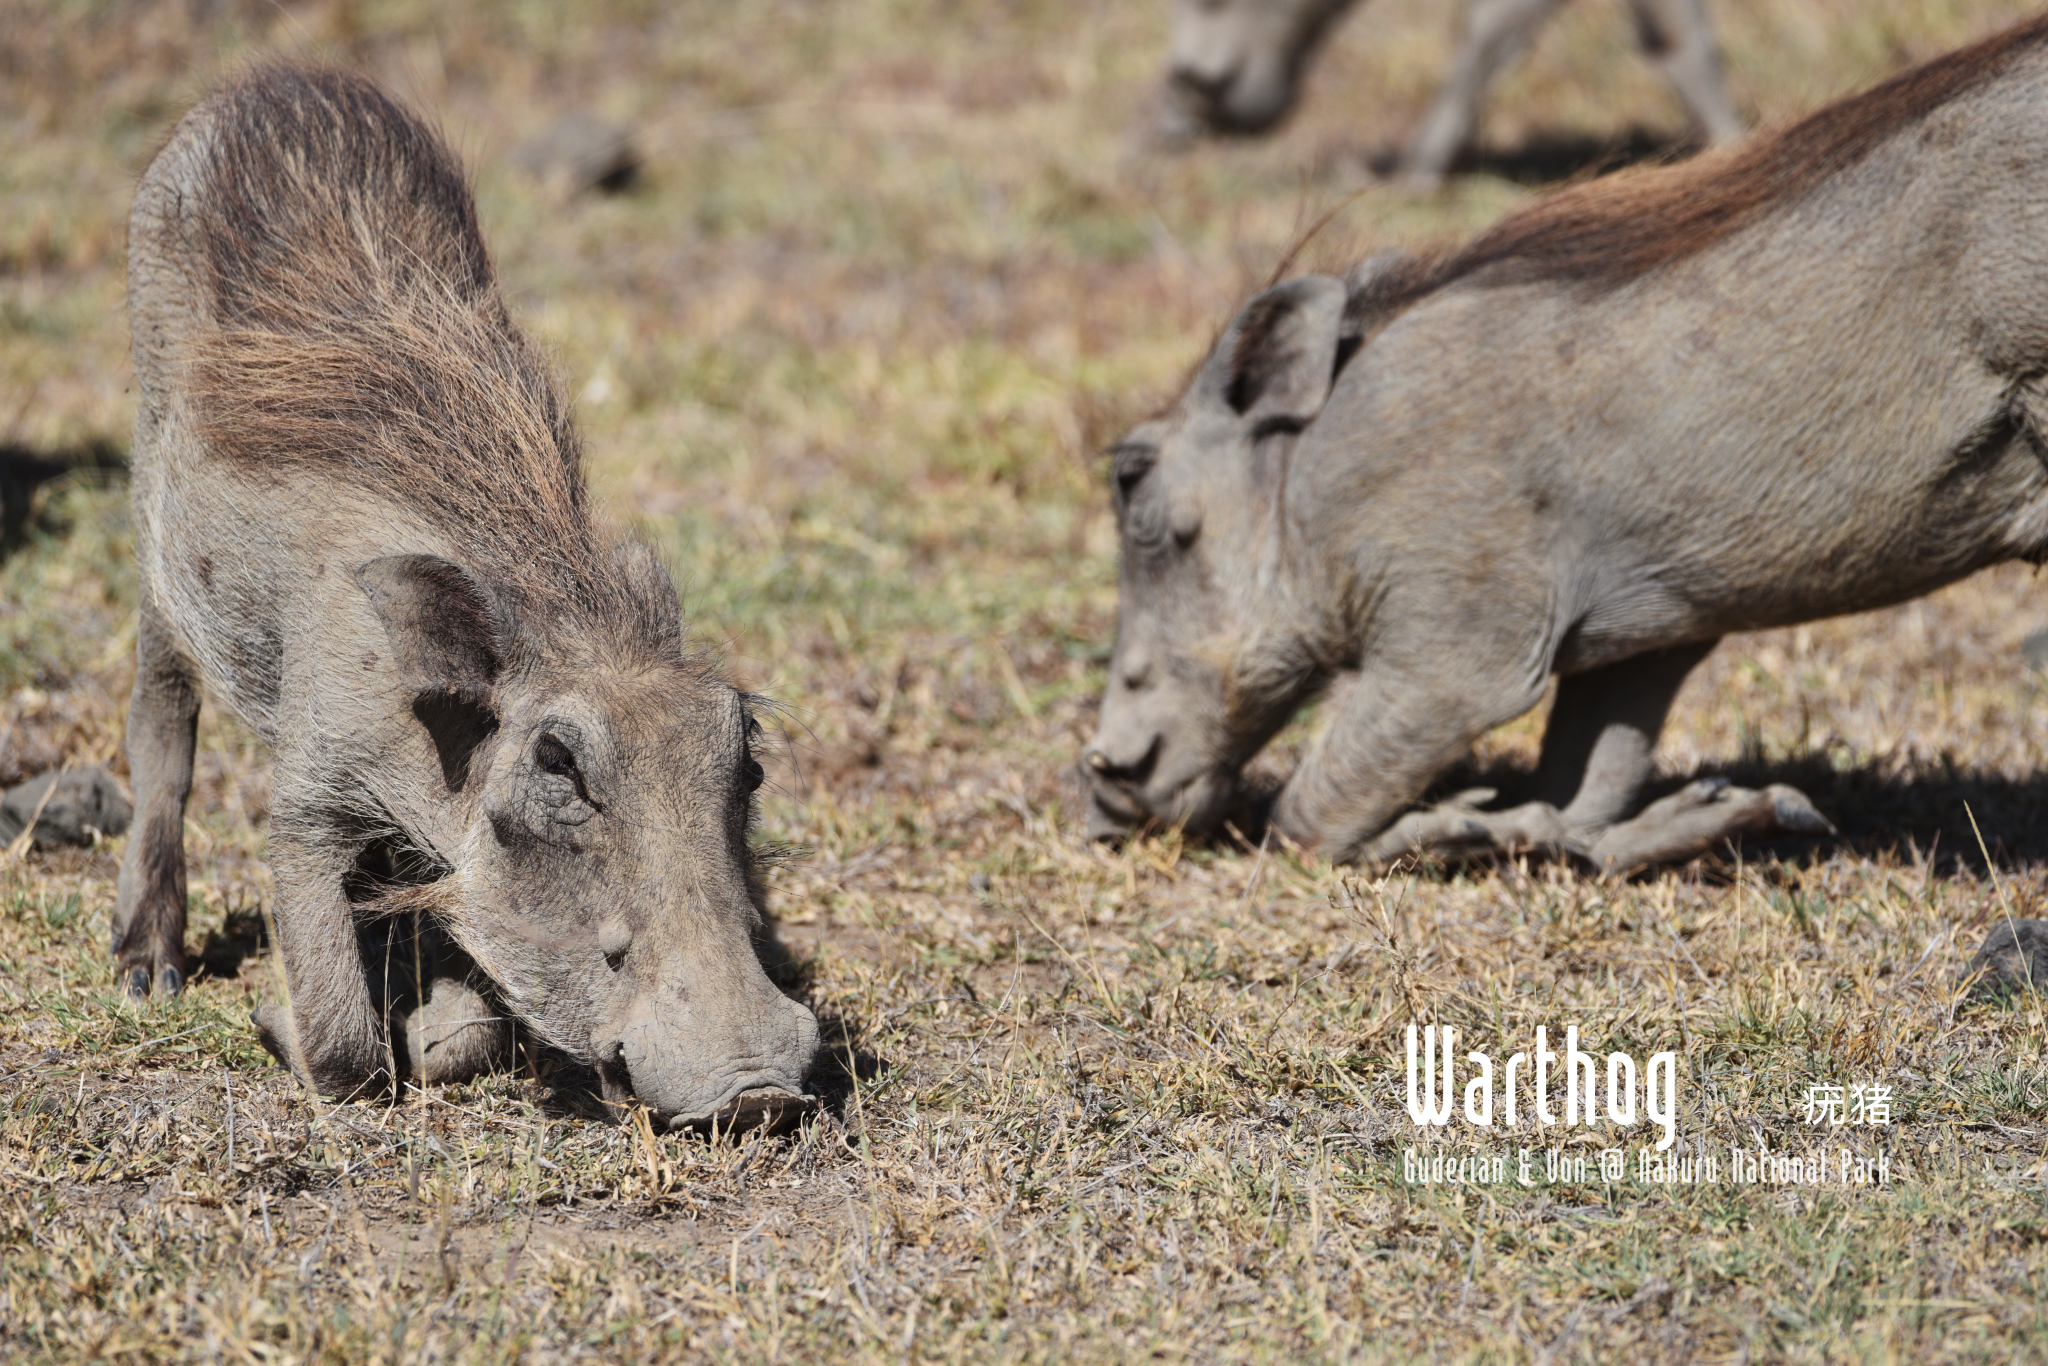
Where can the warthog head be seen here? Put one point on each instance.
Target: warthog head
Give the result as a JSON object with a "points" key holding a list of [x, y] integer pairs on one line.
{"points": [[1214, 651], [601, 784], [1235, 65]]}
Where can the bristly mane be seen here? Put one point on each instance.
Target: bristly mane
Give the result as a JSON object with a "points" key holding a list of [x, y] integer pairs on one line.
{"points": [[355, 328], [1608, 232]]}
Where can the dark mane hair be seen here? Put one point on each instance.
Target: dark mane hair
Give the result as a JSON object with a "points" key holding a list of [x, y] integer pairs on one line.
{"points": [[1607, 232], [353, 326]]}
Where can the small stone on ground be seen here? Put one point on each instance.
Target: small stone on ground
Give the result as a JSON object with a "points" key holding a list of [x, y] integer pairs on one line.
{"points": [[2014, 959], [67, 807]]}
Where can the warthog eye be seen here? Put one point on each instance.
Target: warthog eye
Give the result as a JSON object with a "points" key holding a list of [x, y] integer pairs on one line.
{"points": [[1130, 464], [751, 775], [1279, 424], [554, 757]]}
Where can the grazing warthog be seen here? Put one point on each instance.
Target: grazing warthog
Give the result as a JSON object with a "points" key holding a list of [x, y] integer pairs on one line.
{"points": [[505, 784], [1235, 66], [1797, 378]]}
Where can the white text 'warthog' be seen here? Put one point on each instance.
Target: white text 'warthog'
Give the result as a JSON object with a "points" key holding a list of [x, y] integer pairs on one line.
{"points": [[1797, 378], [505, 784]]}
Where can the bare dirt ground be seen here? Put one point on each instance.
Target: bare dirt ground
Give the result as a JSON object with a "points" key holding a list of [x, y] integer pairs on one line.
{"points": [[894, 271]]}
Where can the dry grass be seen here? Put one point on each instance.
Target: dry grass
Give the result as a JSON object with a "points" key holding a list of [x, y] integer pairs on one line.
{"points": [[897, 270]]}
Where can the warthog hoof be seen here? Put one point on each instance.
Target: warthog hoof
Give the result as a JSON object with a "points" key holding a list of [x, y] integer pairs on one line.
{"points": [[1457, 831], [135, 981], [275, 1032]]}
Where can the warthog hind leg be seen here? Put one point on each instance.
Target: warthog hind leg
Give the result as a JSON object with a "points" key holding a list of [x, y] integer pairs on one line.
{"points": [[1698, 818]]}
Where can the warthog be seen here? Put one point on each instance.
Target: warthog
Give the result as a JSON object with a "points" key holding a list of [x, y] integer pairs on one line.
{"points": [[505, 783], [1235, 66], [1797, 378]]}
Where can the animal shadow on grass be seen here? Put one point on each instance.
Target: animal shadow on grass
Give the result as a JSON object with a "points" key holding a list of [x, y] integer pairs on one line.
{"points": [[240, 937], [24, 473], [1925, 813], [842, 1062], [1550, 157]]}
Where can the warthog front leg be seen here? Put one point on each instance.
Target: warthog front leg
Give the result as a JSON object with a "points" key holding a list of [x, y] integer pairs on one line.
{"points": [[457, 1033], [149, 905], [1388, 738], [1458, 831], [1600, 742], [327, 1031], [1700, 817], [1598, 756]]}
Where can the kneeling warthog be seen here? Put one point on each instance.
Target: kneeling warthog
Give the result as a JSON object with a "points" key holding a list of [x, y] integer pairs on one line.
{"points": [[1797, 378], [507, 788]]}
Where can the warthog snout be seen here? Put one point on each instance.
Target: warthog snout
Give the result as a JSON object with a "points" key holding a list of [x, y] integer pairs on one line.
{"points": [[1197, 803], [1235, 65], [1136, 776], [1104, 767], [1113, 782], [729, 1060], [1221, 99]]}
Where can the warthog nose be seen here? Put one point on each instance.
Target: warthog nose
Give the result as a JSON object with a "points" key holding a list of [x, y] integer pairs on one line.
{"points": [[1101, 764]]}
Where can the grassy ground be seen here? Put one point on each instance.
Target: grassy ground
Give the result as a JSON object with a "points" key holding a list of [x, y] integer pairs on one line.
{"points": [[896, 271]]}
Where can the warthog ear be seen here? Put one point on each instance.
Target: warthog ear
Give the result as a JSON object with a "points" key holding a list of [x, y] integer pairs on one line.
{"points": [[446, 630], [1280, 356], [449, 636], [654, 595]]}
